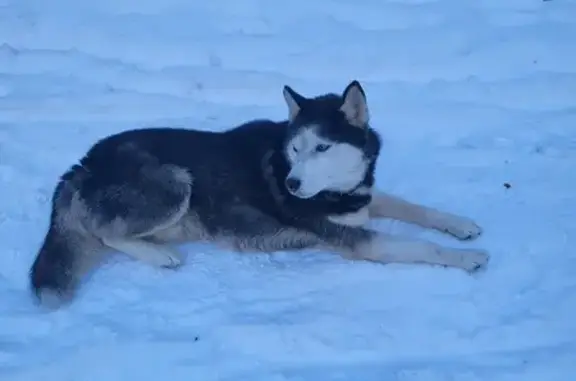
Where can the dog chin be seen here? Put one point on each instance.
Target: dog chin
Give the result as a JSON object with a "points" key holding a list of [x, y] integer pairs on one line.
{"points": [[303, 195]]}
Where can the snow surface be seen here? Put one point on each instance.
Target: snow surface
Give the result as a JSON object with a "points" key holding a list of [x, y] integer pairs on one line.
{"points": [[468, 94]]}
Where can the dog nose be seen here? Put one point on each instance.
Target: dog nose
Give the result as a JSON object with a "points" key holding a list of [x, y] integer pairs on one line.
{"points": [[293, 184]]}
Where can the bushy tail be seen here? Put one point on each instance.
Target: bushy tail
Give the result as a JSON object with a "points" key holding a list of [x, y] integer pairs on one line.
{"points": [[54, 273]]}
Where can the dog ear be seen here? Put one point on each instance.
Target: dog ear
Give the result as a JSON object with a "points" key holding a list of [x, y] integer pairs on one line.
{"points": [[294, 101], [355, 107]]}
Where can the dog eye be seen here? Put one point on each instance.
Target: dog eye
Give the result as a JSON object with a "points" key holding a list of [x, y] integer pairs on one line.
{"points": [[322, 147], [294, 149]]}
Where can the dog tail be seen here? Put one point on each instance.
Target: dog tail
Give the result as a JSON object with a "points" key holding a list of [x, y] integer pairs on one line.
{"points": [[54, 273], [68, 251]]}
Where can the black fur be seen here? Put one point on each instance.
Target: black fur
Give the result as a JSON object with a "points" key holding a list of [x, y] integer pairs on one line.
{"points": [[216, 184]]}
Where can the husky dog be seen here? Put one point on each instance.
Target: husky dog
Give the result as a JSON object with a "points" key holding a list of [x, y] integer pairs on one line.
{"points": [[303, 183]]}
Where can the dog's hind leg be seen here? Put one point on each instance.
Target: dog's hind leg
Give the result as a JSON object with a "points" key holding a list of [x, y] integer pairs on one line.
{"points": [[92, 210], [157, 200], [148, 252], [387, 206]]}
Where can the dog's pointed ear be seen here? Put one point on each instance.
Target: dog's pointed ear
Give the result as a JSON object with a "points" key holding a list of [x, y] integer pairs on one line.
{"points": [[355, 107], [294, 101]]}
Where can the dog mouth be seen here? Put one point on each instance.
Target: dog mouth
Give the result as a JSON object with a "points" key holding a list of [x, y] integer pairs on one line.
{"points": [[301, 195]]}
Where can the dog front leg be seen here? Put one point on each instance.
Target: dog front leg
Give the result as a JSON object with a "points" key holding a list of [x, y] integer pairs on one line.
{"points": [[388, 206], [389, 249], [363, 244]]}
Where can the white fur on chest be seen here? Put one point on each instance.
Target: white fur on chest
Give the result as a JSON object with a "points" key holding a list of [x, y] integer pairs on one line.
{"points": [[359, 218]]}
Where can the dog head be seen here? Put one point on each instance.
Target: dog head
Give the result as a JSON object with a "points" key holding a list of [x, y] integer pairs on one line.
{"points": [[330, 146]]}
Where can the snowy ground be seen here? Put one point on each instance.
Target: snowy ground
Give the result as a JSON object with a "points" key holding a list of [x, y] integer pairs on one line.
{"points": [[469, 95]]}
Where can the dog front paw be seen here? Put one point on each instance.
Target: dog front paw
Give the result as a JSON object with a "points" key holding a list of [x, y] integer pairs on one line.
{"points": [[460, 227], [472, 260]]}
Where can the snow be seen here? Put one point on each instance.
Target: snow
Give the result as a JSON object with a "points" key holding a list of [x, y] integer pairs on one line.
{"points": [[468, 94]]}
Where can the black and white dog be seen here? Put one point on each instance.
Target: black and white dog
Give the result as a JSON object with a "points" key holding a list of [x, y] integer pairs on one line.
{"points": [[307, 182]]}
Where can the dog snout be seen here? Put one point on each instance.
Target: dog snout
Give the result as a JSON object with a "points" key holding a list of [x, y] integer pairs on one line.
{"points": [[293, 184]]}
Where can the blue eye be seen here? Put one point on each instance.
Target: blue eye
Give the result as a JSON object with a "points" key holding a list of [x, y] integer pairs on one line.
{"points": [[322, 147], [294, 149]]}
